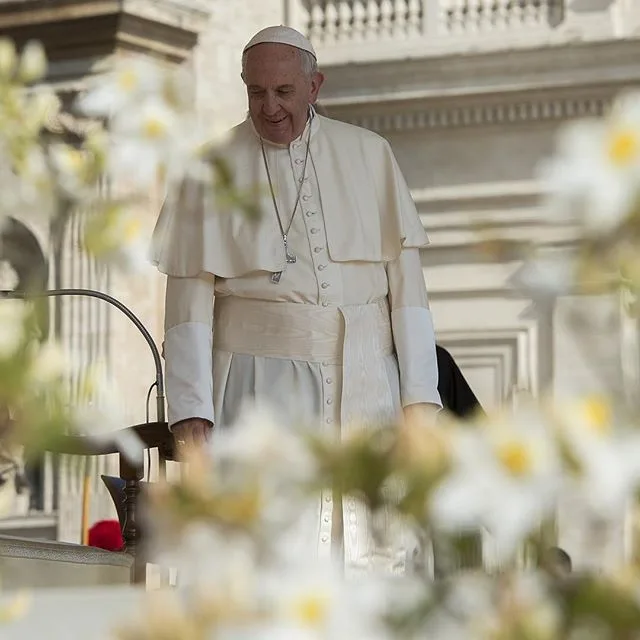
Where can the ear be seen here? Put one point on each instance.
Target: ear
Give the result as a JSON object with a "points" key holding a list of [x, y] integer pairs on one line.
{"points": [[316, 83]]}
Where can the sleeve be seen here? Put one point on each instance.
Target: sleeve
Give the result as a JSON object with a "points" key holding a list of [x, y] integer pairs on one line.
{"points": [[456, 394], [412, 327], [188, 343]]}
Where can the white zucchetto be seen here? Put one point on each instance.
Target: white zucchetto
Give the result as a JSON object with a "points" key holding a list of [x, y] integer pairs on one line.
{"points": [[281, 35]]}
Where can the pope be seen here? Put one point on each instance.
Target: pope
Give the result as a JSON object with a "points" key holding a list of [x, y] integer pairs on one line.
{"points": [[320, 306]]}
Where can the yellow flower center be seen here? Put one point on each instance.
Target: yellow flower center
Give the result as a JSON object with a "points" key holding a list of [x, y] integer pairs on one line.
{"points": [[154, 128], [131, 229], [239, 509], [88, 387], [598, 414], [127, 80], [624, 147], [72, 159], [515, 458], [311, 609]]}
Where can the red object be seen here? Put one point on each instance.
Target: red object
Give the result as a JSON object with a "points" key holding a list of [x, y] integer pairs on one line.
{"points": [[106, 534]]}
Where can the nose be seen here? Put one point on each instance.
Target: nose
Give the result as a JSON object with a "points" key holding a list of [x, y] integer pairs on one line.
{"points": [[270, 105]]}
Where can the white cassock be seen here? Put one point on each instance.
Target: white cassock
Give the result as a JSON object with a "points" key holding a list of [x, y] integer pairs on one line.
{"points": [[346, 336]]}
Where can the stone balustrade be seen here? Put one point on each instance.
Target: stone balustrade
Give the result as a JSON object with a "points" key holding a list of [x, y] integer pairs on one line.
{"points": [[485, 16], [351, 30]]}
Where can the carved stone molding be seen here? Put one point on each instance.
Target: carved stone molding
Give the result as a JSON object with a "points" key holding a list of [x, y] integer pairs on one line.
{"points": [[70, 29], [492, 113], [486, 89], [510, 353]]}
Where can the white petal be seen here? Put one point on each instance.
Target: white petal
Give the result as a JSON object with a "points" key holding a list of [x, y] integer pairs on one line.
{"points": [[33, 62], [459, 502], [609, 201], [131, 447], [545, 276]]}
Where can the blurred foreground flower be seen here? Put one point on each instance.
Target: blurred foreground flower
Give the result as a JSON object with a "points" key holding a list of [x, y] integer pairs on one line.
{"points": [[14, 607], [14, 315], [153, 128], [115, 234], [132, 81], [603, 455], [545, 277], [236, 499], [312, 602], [505, 478], [594, 178], [97, 412]]}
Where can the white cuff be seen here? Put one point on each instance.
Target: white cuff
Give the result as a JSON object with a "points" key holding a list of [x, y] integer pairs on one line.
{"points": [[189, 375], [414, 339]]}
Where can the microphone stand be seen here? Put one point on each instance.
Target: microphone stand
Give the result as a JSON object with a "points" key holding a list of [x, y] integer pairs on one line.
{"points": [[91, 293]]}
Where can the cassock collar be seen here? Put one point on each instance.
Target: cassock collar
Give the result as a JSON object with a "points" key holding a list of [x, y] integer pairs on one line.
{"points": [[313, 121]]}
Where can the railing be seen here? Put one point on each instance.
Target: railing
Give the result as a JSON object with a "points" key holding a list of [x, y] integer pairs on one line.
{"points": [[331, 23], [359, 20], [473, 16]]}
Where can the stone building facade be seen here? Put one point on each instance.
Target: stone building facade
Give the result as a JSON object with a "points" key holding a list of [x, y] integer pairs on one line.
{"points": [[470, 93]]}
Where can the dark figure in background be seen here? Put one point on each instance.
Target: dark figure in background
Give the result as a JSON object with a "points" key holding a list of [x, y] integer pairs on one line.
{"points": [[455, 393]]}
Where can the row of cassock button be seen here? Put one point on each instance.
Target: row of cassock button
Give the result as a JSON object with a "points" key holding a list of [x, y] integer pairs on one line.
{"points": [[330, 372]]}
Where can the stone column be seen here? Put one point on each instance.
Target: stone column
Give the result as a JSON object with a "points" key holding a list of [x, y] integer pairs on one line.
{"points": [[83, 328]]}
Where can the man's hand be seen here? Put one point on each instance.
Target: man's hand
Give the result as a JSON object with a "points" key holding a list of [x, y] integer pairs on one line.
{"points": [[193, 432], [422, 414]]}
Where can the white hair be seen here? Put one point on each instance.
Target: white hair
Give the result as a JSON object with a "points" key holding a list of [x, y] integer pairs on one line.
{"points": [[308, 61]]}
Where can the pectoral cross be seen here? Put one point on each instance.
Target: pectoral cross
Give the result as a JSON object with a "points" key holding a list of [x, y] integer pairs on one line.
{"points": [[290, 258]]}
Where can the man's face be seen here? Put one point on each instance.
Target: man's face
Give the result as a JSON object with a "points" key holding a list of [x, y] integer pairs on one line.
{"points": [[279, 91]]}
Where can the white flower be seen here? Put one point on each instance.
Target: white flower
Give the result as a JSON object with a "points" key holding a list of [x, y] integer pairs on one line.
{"points": [[27, 186], [154, 131], [71, 166], [49, 364], [260, 449], [151, 142], [545, 277], [8, 58], [523, 606], [608, 457], [208, 557], [314, 602], [40, 109], [99, 414], [116, 236], [259, 440], [33, 62], [595, 174], [505, 478], [13, 316], [144, 141], [131, 81]]}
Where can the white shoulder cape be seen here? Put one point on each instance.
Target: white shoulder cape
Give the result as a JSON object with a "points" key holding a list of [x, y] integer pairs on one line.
{"points": [[368, 210]]}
